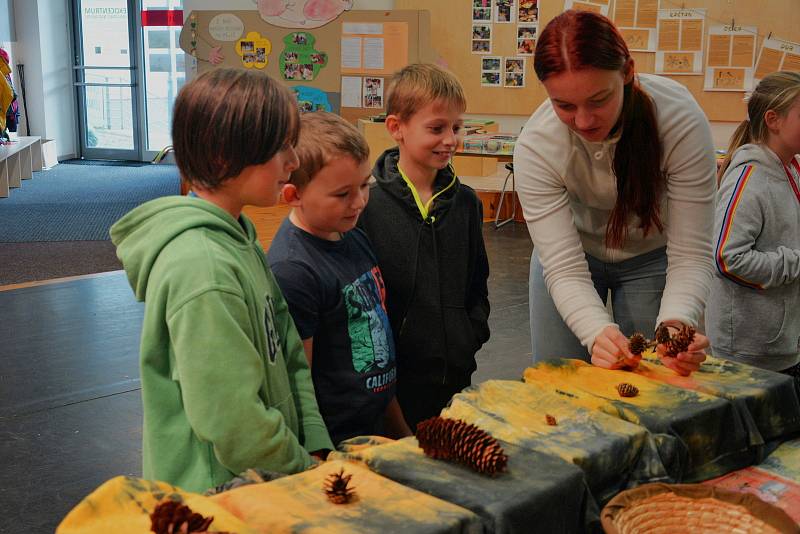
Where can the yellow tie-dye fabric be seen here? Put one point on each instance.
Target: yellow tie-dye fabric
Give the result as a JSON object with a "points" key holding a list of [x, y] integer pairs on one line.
{"points": [[123, 506], [298, 504]]}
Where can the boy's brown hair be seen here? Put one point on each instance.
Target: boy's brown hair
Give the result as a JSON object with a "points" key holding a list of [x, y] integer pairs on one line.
{"points": [[414, 86], [228, 119], [325, 137]]}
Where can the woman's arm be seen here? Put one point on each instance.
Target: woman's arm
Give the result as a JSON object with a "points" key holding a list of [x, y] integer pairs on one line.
{"points": [[689, 221], [539, 163]]}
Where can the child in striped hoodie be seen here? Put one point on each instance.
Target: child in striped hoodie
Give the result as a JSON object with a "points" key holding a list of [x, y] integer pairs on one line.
{"points": [[752, 313]]}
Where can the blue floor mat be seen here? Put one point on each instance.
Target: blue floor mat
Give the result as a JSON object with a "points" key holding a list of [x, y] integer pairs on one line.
{"points": [[80, 202]]}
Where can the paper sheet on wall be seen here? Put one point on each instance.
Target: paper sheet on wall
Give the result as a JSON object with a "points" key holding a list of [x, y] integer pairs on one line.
{"points": [[595, 6], [351, 53], [526, 39], [351, 91], [637, 22], [373, 53], [481, 10], [373, 92], [680, 41], [730, 58], [777, 54], [378, 53]]}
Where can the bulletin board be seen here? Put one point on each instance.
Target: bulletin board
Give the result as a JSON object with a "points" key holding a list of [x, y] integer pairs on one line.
{"points": [[324, 72], [451, 26]]}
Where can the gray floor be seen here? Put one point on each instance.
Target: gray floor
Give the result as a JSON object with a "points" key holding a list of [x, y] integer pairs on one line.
{"points": [[70, 410]]}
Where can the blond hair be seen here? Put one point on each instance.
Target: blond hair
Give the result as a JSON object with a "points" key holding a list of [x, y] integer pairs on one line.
{"points": [[414, 86], [778, 92], [325, 137]]}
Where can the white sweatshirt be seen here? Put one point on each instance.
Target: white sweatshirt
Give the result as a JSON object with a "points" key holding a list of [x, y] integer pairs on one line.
{"points": [[567, 189]]}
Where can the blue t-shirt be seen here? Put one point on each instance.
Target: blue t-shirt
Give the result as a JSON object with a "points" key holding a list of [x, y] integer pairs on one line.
{"points": [[336, 295]]}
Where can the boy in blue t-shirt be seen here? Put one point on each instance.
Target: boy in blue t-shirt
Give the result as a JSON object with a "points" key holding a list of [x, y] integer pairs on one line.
{"points": [[330, 278]]}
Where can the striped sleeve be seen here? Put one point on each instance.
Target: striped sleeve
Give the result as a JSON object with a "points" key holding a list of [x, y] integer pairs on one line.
{"points": [[727, 226], [740, 217]]}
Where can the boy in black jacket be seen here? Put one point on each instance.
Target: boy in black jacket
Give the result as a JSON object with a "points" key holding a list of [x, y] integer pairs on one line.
{"points": [[425, 227]]}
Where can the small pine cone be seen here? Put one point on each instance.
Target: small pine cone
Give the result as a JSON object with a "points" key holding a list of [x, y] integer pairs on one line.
{"points": [[680, 342], [637, 344], [455, 440], [337, 489], [627, 390], [550, 420], [662, 334], [171, 516]]}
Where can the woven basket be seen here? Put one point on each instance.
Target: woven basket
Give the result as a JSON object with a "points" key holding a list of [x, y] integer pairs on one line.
{"points": [[692, 508]]}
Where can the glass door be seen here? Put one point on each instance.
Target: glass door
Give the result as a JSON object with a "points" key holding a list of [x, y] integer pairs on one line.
{"points": [[162, 74], [105, 68]]}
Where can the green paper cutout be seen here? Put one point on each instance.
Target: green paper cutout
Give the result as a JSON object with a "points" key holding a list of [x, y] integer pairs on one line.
{"points": [[299, 61]]}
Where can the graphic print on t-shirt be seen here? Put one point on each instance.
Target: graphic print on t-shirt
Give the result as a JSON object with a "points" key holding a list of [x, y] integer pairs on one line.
{"points": [[367, 323]]}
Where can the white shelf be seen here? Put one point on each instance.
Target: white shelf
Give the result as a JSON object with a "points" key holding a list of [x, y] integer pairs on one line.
{"points": [[18, 161]]}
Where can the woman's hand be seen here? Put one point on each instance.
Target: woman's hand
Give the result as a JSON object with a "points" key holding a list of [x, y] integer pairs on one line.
{"points": [[685, 363], [610, 350]]}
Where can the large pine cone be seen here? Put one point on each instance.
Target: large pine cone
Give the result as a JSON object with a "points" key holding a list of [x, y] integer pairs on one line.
{"points": [[337, 489], [171, 517], [455, 440], [680, 341]]}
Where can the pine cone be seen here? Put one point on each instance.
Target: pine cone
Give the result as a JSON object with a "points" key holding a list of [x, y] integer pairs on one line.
{"points": [[455, 440], [627, 390], [662, 334], [337, 489], [173, 517], [680, 342], [637, 344], [550, 420]]}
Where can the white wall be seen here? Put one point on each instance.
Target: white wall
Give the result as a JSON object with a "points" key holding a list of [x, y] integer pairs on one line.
{"points": [[44, 46]]}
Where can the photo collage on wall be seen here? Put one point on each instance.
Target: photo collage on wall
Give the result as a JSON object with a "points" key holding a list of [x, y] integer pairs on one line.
{"points": [[491, 71], [514, 72], [481, 38], [505, 11], [373, 92], [299, 60]]}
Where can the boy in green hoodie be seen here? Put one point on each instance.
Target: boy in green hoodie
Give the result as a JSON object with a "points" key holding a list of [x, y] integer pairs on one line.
{"points": [[225, 382]]}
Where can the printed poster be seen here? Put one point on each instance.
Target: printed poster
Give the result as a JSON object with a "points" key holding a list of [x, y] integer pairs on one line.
{"points": [[777, 54], [595, 6], [637, 21], [730, 58], [680, 41]]}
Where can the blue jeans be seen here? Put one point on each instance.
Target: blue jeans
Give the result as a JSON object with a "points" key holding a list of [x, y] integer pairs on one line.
{"points": [[636, 287]]}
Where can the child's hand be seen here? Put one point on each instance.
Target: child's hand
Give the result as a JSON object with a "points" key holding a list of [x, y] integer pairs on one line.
{"points": [[685, 363], [610, 350]]}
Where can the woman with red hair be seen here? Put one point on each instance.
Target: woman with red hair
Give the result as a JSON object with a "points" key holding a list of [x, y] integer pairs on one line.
{"points": [[616, 176]]}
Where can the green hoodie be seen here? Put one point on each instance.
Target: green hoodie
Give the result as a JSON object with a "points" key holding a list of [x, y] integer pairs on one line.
{"points": [[225, 382]]}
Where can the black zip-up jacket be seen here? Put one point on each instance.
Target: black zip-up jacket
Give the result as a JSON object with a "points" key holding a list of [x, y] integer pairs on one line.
{"points": [[435, 272]]}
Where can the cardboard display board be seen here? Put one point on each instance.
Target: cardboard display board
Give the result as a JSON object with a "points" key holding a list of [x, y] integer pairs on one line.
{"points": [[451, 32], [312, 58]]}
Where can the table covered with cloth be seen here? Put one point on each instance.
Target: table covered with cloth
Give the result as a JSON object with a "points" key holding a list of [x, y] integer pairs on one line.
{"points": [[721, 418], [595, 443]]}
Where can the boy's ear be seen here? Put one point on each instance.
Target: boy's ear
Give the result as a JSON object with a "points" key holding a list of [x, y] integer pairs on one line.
{"points": [[291, 194], [393, 126]]}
